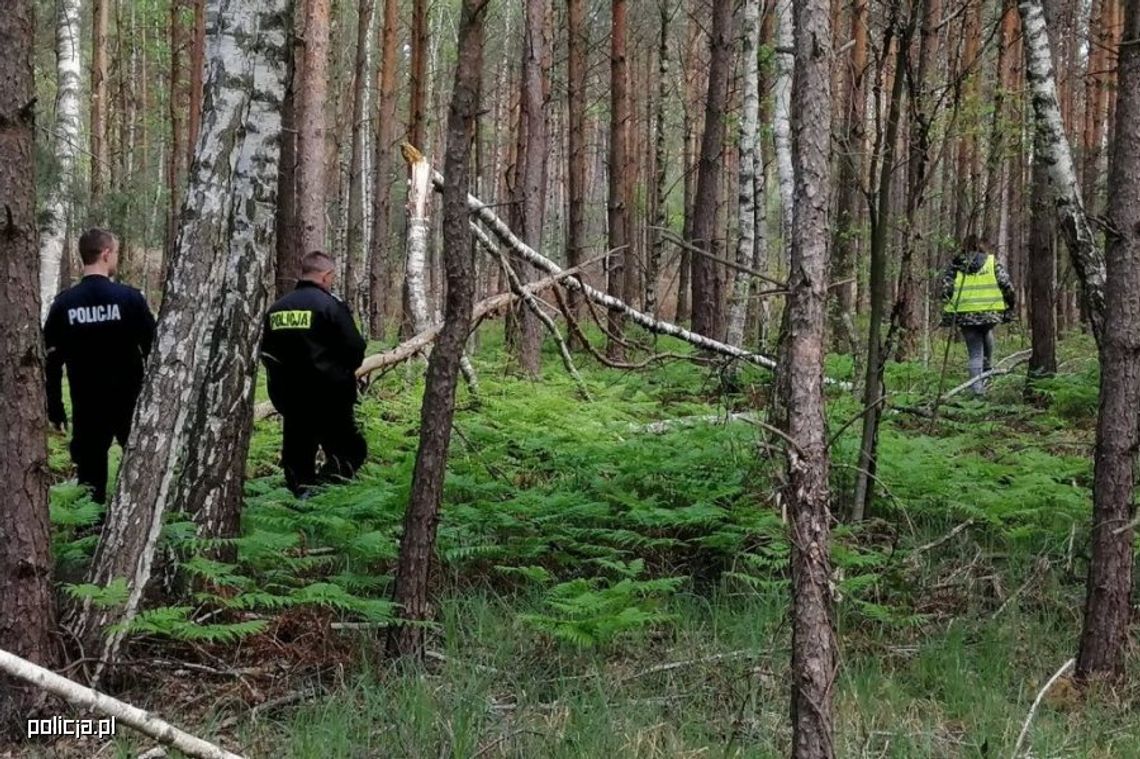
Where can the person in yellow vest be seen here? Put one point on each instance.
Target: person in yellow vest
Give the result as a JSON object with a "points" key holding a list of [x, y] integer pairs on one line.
{"points": [[977, 295]]}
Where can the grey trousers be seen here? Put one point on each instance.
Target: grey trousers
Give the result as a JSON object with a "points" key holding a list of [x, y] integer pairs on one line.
{"points": [[980, 349]]}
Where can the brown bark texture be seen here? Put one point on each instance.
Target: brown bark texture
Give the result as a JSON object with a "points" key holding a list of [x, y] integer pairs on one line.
{"points": [[1105, 637], [806, 492], [100, 158], [27, 614], [354, 244], [417, 547], [386, 132], [706, 284], [577, 45], [312, 123], [617, 206]]}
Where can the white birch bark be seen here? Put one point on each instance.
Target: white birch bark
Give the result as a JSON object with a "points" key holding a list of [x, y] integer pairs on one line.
{"points": [[1055, 154], [419, 232], [746, 241], [191, 427], [131, 716], [54, 234], [782, 119]]}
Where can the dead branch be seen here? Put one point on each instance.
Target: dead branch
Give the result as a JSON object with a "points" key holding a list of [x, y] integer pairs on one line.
{"points": [[1037, 702], [132, 716]]}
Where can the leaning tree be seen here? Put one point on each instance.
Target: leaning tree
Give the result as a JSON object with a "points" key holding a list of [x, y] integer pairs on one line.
{"points": [[191, 428]]}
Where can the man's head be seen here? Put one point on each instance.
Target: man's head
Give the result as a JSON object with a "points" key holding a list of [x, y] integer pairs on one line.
{"points": [[971, 244], [319, 268], [99, 250]]}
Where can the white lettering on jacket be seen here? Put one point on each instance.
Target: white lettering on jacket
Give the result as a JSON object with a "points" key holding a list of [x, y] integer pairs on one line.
{"points": [[94, 314]]}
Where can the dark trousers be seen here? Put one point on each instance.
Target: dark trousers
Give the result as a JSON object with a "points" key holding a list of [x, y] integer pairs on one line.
{"points": [[980, 352], [332, 428], [91, 436]]}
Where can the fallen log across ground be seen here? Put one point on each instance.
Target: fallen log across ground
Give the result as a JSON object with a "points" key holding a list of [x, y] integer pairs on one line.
{"points": [[657, 326], [131, 716], [417, 343]]}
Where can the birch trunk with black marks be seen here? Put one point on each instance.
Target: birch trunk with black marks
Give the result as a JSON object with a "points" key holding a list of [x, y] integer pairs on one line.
{"points": [[747, 202], [419, 233], [806, 493], [192, 423], [27, 614], [782, 119], [1105, 637], [57, 227], [660, 166], [1087, 258], [417, 546]]}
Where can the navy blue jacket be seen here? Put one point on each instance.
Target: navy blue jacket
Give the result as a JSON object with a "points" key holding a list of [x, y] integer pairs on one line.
{"points": [[311, 348], [102, 332]]}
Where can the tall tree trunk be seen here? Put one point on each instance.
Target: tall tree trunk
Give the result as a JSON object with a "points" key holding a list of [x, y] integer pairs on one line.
{"points": [[191, 428], [806, 492], [100, 159], [177, 155], [27, 615], [1088, 260], [530, 193], [1042, 311], [1096, 98], [660, 165], [873, 390], [379, 259], [417, 547], [57, 227], [749, 204], [354, 258], [706, 284], [312, 124], [782, 120], [692, 68], [197, 80], [1108, 607], [288, 265], [417, 114], [966, 176], [577, 39], [618, 203], [849, 217]]}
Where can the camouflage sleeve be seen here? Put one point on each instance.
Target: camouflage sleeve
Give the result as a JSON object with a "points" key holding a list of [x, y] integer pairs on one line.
{"points": [[948, 282], [1006, 284]]}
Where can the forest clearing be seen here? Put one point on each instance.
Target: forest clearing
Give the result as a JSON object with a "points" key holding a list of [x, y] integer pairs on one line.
{"points": [[541, 378]]}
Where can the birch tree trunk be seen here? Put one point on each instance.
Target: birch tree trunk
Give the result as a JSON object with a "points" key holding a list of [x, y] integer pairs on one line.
{"points": [[748, 203], [417, 546], [660, 165], [312, 123], [707, 306], [1105, 637], [354, 258], [1088, 260], [57, 228], [27, 614], [191, 429], [782, 119], [806, 492]]}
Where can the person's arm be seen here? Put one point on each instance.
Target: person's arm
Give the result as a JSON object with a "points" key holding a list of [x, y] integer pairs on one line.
{"points": [[1008, 293], [53, 370], [352, 343], [145, 327], [948, 281]]}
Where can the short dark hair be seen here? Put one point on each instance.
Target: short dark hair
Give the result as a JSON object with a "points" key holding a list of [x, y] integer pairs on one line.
{"points": [[316, 262], [93, 242], [971, 244]]}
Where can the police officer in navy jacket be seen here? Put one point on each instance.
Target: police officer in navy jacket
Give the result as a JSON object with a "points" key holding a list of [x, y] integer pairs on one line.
{"points": [[311, 351], [101, 331]]}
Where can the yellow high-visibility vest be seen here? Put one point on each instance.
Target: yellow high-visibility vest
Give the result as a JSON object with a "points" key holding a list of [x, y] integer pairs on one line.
{"points": [[977, 292]]}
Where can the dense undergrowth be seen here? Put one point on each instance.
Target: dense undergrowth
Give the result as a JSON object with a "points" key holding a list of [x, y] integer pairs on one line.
{"points": [[579, 553]]}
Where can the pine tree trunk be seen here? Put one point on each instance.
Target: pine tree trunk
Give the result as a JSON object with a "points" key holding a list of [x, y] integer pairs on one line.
{"points": [[288, 264], [59, 219], [1088, 260], [1105, 637], [618, 204], [312, 123], [177, 154], [748, 203], [197, 80], [379, 260], [192, 423], [806, 493], [1096, 99], [27, 614], [705, 282], [1042, 312], [530, 193], [417, 547]]}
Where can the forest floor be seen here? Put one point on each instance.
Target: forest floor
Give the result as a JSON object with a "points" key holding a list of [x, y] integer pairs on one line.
{"points": [[610, 591]]}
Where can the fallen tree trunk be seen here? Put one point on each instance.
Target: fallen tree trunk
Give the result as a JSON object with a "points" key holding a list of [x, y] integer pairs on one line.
{"points": [[132, 716], [657, 326]]}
